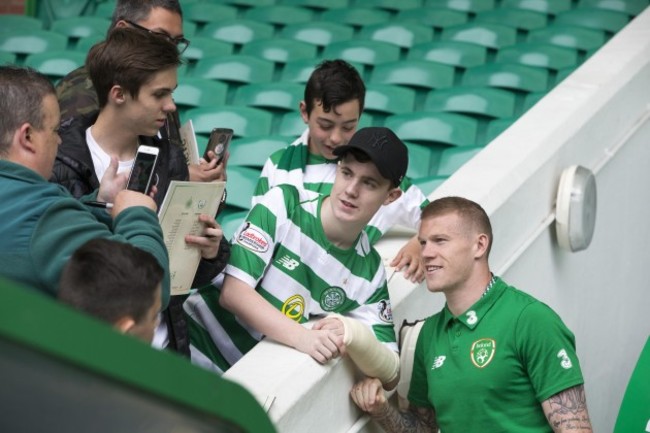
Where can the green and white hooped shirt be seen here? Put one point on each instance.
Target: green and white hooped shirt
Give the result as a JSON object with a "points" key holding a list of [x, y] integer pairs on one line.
{"points": [[282, 251], [294, 165]]}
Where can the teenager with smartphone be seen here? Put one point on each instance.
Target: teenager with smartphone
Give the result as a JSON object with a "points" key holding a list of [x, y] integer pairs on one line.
{"points": [[134, 74]]}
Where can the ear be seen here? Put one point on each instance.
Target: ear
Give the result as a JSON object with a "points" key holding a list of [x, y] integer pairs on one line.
{"points": [[124, 324], [481, 245], [393, 194], [117, 94], [23, 136], [121, 24], [303, 112]]}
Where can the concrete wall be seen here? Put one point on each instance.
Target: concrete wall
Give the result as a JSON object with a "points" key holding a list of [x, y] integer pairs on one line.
{"points": [[598, 118]]}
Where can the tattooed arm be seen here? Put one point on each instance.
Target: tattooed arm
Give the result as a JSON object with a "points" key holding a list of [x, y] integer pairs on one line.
{"points": [[369, 396], [566, 411]]}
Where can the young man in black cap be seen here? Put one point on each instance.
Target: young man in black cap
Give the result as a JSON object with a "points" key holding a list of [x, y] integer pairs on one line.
{"points": [[300, 255]]}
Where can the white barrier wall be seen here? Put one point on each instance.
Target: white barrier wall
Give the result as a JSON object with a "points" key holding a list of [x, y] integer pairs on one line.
{"points": [[599, 118]]}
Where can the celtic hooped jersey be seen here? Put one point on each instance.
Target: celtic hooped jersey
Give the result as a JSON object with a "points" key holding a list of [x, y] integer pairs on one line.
{"points": [[282, 251], [294, 165]]}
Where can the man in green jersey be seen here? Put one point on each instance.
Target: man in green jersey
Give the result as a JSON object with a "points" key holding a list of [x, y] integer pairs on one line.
{"points": [[494, 359], [301, 255], [331, 109]]}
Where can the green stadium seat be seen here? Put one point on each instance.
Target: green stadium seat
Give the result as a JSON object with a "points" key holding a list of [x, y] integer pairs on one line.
{"points": [[7, 58], [437, 18], [319, 33], [24, 42], [630, 7], [230, 219], [84, 45], [254, 151], [402, 34], [414, 73], [569, 36], [241, 186], [244, 121], [316, 4], [471, 6], [482, 101], [454, 158], [189, 29], [459, 54], [510, 76], [494, 36], [55, 64], [10, 23], [521, 19], [195, 92], [434, 128], [364, 52], [279, 15], [203, 13], [234, 68], [532, 99], [243, 5], [52, 10], [423, 160], [274, 96], [356, 17], [562, 74], [550, 7], [105, 10], [597, 19], [429, 184], [279, 50], [496, 127], [201, 47], [540, 55], [299, 71], [390, 5], [388, 99], [237, 31], [81, 27]]}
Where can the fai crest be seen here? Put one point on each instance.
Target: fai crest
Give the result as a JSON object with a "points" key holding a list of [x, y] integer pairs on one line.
{"points": [[483, 351]]}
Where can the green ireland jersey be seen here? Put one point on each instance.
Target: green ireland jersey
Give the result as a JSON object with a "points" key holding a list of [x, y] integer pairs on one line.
{"points": [[491, 368], [282, 251], [294, 165]]}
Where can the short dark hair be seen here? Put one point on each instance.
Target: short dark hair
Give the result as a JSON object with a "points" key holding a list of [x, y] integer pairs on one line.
{"points": [[129, 58], [139, 10], [110, 279], [22, 91], [471, 212], [334, 82]]}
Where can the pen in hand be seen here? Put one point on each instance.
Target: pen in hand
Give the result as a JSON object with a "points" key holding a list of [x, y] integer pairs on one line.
{"points": [[99, 204]]}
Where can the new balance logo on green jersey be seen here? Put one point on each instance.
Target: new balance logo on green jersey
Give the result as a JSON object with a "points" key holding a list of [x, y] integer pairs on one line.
{"points": [[288, 263]]}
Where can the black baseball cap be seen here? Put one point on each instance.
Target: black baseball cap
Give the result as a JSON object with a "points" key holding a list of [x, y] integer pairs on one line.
{"points": [[384, 149]]}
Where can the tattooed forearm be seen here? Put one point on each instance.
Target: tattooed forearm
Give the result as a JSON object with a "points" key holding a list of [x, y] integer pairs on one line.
{"points": [[566, 411], [415, 420]]}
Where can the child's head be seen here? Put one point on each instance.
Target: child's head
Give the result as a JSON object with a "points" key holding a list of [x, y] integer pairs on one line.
{"points": [[115, 282]]}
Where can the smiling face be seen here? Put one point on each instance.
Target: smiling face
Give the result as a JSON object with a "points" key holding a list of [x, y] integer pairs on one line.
{"points": [[329, 130], [451, 251], [147, 113], [359, 190]]}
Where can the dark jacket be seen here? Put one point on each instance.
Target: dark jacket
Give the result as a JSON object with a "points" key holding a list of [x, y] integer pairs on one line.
{"points": [[73, 168]]}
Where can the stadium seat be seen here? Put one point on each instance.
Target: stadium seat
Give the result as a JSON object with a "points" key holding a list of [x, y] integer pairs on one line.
{"points": [[52, 10], [454, 158], [521, 19], [24, 42], [254, 151], [482, 101], [195, 92], [244, 121], [630, 7], [105, 10], [201, 47], [244, 5], [549, 7], [597, 19], [431, 128], [531, 99], [273, 96], [510, 76], [436, 18], [234, 68], [459, 54], [10, 23], [81, 27], [429, 184], [471, 6], [55, 64], [364, 52], [84, 45], [402, 34], [7, 58], [423, 160], [279, 15], [203, 13], [414, 73], [230, 219], [390, 5], [237, 31], [317, 4], [189, 28], [241, 186], [494, 36], [577, 38], [299, 71], [385, 99], [540, 55], [356, 17], [279, 50], [319, 33], [496, 127]]}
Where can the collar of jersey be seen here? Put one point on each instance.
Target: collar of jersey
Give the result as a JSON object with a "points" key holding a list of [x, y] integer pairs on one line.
{"points": [[480, 308]]}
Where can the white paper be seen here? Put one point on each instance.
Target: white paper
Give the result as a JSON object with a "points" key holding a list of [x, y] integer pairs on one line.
{"points": [[188, 139]]}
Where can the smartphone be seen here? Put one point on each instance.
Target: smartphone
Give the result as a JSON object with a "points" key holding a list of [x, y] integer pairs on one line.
{"points": [[142, 172], [218, 143]]}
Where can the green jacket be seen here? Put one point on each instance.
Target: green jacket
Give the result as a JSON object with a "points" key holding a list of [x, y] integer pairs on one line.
{"points": [[43, 225]]}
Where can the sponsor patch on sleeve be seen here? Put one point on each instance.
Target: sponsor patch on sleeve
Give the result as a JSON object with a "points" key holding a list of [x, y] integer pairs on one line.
{"points": [[252, 239]]}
